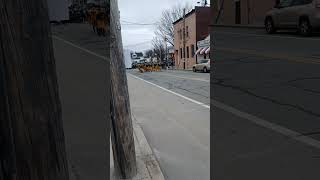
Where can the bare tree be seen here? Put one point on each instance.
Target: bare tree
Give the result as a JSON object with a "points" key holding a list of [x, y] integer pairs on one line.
{"points": [[158, 46], [149, 53], [169, 16]]}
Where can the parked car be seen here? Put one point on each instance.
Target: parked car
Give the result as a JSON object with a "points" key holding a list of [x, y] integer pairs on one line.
{"points": [[204, 65], [303, 15]]}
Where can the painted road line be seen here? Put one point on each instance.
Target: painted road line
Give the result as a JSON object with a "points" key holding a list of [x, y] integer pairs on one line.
{"points": [[167, 90], [81, 48], [266, 124], [196, 79], [268, 36]]}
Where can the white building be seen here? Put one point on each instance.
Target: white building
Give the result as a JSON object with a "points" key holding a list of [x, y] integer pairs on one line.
{"points": [[203, 51]]}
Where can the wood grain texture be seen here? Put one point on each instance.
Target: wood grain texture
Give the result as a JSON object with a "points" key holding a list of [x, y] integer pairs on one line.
{"points": [[31, 133], [121, 122]]}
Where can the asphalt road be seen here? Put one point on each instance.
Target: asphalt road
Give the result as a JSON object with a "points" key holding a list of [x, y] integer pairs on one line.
{"points": [[265, 118], [192, 85], [82, 79]]}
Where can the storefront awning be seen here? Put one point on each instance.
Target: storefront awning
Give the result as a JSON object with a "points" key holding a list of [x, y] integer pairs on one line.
{"points": [[208, 51], [198, 51], [203, 50]]}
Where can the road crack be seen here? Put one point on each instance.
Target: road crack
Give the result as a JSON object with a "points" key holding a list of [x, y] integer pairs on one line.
{"points": [[220, 82]]}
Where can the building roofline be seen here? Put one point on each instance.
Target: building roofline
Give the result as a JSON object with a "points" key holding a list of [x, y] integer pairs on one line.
{"points": [[188, 14]]}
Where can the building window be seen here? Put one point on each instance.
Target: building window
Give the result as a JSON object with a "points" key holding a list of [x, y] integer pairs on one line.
{"points": [[181, 53], [187, 51], [192, 50], [184, 52], [187, 33], [205, 56]]}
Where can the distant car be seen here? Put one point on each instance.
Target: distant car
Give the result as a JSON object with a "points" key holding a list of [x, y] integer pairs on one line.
{"points": [[303, 15], [204, 65]]}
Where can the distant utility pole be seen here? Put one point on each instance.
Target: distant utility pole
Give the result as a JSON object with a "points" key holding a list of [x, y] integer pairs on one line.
{"points": [[31, 130], [121, 121], [166, 53], [185, 66]]}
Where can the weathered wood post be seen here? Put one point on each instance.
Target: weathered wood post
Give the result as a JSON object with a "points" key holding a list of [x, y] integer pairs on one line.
{"points": [[32, 145], [121, 122]]}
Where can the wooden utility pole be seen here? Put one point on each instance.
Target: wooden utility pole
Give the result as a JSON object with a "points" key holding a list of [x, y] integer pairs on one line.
{"points": [[32, 145], [121, 122]]}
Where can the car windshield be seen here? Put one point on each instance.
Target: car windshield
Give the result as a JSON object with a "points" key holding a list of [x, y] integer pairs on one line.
{"points": [[203, 61]]}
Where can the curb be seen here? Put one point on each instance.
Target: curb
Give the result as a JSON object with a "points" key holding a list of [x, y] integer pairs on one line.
{"points": [[147, 163], [238, 26], [145, 153]]}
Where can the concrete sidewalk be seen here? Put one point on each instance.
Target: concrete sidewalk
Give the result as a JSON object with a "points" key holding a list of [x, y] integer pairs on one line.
{"points": [[147, 164], [177, 129]]}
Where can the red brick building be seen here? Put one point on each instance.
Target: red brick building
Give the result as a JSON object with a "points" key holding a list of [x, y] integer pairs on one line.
{"points": [[244, 12], [187, 32]]}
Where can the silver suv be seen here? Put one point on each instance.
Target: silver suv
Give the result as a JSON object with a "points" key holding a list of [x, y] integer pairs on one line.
{"points": [[303, 15]]}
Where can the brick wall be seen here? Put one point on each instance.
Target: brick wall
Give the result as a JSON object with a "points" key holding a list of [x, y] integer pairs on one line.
{"points": [[198, 29], [190, 22]]}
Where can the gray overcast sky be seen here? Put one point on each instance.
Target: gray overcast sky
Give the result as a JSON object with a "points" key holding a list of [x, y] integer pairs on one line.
{"points": [[137, 37]]}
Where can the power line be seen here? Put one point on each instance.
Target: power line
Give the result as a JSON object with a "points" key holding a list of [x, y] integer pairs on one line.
{"points": [[135, 23], [140, 43]]}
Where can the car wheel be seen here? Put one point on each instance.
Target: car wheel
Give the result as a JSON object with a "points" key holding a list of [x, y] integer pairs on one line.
{"points": [[305, 28], [269, 25], [205, 69], [194, 69]]}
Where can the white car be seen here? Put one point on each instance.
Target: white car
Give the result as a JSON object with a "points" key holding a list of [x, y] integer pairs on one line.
{"points": [[204, 65], [303, 15]]}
